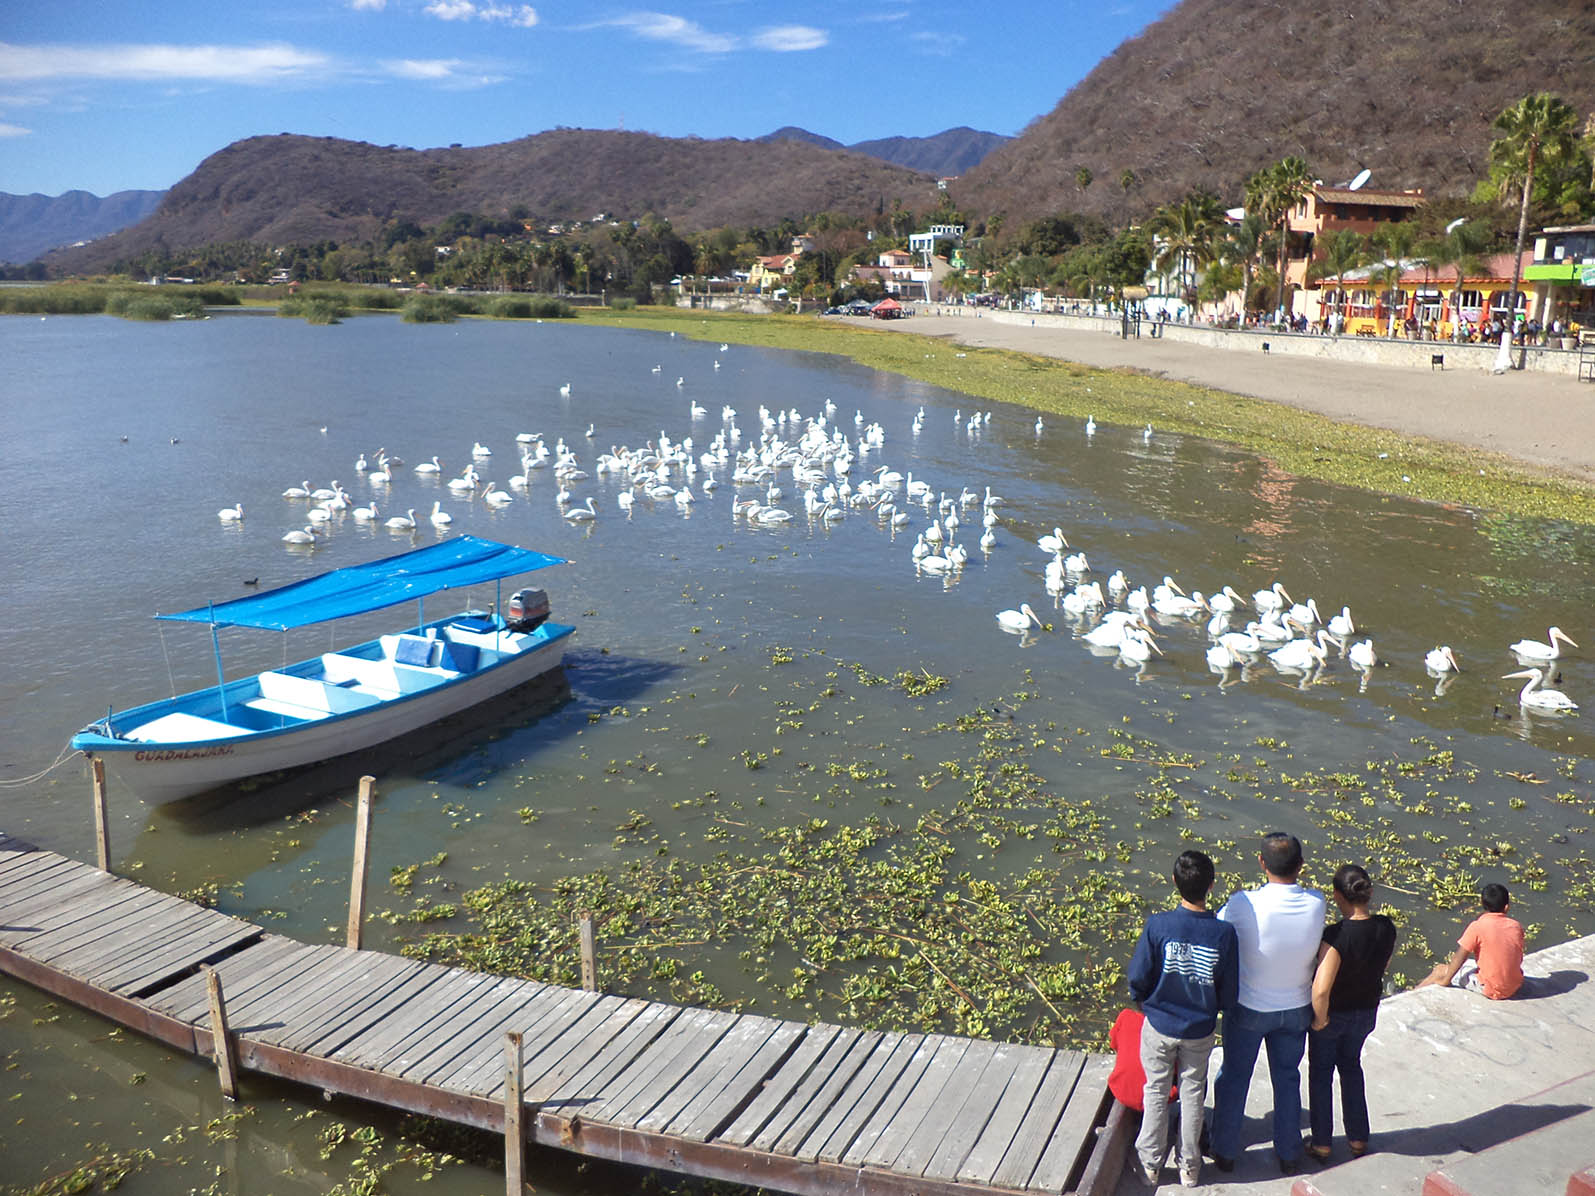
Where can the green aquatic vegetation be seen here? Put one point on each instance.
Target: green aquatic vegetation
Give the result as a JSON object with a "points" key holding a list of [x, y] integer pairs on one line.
{"points": [[1299, 442]]}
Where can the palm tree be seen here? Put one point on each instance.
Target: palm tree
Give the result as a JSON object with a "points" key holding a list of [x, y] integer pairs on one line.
{"points": [[1343, 251], [1188, 231], [1537, 127], [1273, 194], [1459, 247], [1243, 245], [1396, 241]]}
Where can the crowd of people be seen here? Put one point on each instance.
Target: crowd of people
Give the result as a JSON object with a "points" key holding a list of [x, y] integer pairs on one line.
{"points": [[1270, 973]]}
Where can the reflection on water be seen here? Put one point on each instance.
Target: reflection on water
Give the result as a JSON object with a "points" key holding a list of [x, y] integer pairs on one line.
{"points": [[695, 628]]}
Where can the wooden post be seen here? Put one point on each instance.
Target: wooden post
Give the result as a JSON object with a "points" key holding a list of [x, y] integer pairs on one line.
{"points": [[357, 883], [589, 954], [102, 826], [221, 1040], [514, 1134]]}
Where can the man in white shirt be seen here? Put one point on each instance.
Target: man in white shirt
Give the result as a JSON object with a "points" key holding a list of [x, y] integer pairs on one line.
{"points": [[1279, 925]]}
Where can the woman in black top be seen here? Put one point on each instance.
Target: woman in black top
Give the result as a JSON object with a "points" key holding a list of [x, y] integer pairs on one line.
{"points": [[1346, 991]]}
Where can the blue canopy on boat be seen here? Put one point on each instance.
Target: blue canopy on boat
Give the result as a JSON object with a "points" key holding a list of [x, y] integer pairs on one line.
{"points": [[357, 589]]}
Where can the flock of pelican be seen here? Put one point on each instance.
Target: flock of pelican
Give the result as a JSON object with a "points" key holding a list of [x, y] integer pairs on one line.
{"points": [[830, 473]]}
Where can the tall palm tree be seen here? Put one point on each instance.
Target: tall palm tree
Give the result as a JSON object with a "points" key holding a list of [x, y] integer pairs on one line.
{"points": [[1273, 193], [1242, 246], [1343, 251], [1537, 128], [1188, 231], [1396, 241], [1460, 248]]}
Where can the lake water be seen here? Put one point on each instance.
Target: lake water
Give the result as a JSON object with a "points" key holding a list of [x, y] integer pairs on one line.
{"points": [[693, 627]]}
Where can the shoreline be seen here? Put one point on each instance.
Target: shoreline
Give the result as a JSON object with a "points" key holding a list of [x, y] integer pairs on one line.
{"points": [[1549, 423]]}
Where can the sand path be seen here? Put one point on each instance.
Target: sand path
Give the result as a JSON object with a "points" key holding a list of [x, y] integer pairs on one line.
{"points": [[1546, 420]]}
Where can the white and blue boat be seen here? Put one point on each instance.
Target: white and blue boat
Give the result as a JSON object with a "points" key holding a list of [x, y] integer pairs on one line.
{"points": [[344, 701]]}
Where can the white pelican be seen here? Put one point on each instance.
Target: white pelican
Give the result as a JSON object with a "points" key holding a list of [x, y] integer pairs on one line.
{"points": [[625, 500], [583, 514], [958, 555], [1302, 653], [1076, 563], [402, 523], [432, 466], [1038, 425], [1118, 584], [921, 550], [1441, 660], [685, 497], [440, 517], [940, 564], [365, 514], [1052, 543], [496, 498], [323, 493], [988, 540], [771, 515], [466, 481], [1342, 624], [1362, 656], [231, 514], [564, 391], [308, 536], [1535, 695], [1178, 606], [1271, 630], [1015, 620], [297, 491], [1090, 425], [1221, 657], [697, 410], [380, 475], [1306, 613], [1535, 650], [1242, 642], [933, 533], [1083, 598], [1273, 598], [1138, 645], [360, 464], [1226, 601], [830, 514], [318, 515]]}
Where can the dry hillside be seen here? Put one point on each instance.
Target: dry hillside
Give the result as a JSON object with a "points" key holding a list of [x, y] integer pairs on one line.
{"points": [[1218, 88]]}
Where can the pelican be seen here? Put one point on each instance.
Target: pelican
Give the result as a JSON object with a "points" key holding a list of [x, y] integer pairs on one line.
{"points": [[1146, 435], [1221, 657], [1083, 598], [480, 450], [1014, 620], [1245, 642], [564, 391], [771, 515], [1076, 563], [1302, 653], [1535, 650], [297, 491], [1039, 425], [958, 556], [402, 523], [231, 514], [1441, 660], [360, 464], [1053, 542], [1273, 598], [1226, 601], [1306, 613], [1118, 584], [365, 514], [496, 498], [940, 564], [440, 517], [308, 536], [318, 515], [1138, 645], [1535, 695], [582, 514], [1362, 656], [1090, 425], [625, 500], [988, 540], [466, 481], [1271, 630], [378, 476], [432, 466], [697, 410], [1341, 624], [685, 498], [921, 550], [1111, 631]]}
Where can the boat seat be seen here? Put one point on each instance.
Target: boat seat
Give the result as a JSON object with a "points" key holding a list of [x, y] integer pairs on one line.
{"points": [[379, 679], [287, 709], [318, 696], [183, 728]]}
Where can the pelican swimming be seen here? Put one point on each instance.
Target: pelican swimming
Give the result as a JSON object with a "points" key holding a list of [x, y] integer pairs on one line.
{"points": [[1138, 644], [1441, 660], [496, 498], [1273, 598], [297, 491], [1342, 624], [1534, 693], [1362, 656], [1015, 620], [1221, 657], [1302, 653], [1053, 542], [432, 466], [583, 514], [440, 517], [308, 536], [402, 523], [1090, 425], [564, 391], [365, 514], [231, 514], [1535, 650], [1306, 613], [1226, 601]]}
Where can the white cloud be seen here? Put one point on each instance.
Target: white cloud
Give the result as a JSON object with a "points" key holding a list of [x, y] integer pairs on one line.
{"points": [[14, 130], [423, 68], [522, 15], [663, 27], [786, 39], [679, 31], [368, 5], [221, 64]]}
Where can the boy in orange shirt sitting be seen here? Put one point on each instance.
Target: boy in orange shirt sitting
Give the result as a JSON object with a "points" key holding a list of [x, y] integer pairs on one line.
{"points": [[1495, 942]]}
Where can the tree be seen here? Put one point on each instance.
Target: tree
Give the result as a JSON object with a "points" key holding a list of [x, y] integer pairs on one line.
{"points": [[1537, 126], [1188, 232], [1242, 245], [1273, 194], [1343, 251], [1083, 177], [1459, 247], [1396, 241]]}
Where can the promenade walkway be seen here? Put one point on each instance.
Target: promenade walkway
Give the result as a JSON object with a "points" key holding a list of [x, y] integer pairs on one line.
{"points": [[1543, 419]]}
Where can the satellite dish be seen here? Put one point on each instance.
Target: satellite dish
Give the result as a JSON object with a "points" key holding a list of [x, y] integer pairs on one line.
{"points": [[1456, 224], [1356, 184]]}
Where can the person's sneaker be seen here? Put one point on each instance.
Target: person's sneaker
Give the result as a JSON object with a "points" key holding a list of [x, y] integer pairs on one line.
{"points": [[1289, 1166], [1190, 1175], [1152, 1174]]}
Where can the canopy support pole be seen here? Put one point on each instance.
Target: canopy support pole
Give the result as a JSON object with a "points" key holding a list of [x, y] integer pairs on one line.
{"points": [[221, 676]]}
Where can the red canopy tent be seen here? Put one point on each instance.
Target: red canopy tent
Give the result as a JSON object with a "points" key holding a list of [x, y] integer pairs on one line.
{"points": [[887, 309]]}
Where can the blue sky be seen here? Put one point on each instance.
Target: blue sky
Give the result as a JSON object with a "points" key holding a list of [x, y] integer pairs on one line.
{"points": [[106, 95]]}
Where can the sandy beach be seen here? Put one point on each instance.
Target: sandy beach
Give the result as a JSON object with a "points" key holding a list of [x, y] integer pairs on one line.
{"points": [[1541, 419]]}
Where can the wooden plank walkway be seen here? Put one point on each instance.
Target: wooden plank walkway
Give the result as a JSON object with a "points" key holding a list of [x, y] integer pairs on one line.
{"points": [[741, 1097]]}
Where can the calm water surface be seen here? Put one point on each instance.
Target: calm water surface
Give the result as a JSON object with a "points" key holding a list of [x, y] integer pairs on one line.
{"points": [[681, 617]]}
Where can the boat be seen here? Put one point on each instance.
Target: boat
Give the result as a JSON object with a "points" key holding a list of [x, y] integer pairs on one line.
{"points": [[343, 701]]}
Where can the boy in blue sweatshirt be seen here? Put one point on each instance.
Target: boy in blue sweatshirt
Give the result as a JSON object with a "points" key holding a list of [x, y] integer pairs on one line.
{"points": [[1186, 969]]}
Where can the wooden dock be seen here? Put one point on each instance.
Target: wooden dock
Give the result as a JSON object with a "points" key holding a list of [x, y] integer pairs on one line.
{"points": [[780, 1104]]}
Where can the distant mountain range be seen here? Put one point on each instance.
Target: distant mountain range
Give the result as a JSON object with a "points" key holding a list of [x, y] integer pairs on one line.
{"points": [[30, 225], [289, 189], [947, 153], [1216, 89]]}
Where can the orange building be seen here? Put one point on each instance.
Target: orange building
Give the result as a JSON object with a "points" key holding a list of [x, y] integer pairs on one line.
{"points": [[1426, 301], [1327, 208]]}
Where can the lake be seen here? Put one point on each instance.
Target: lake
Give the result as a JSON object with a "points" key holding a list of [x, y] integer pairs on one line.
{"points": [[729, 682]]}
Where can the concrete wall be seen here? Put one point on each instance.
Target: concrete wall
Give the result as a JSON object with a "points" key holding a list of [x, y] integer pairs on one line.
{"points": [[1371, 349]]}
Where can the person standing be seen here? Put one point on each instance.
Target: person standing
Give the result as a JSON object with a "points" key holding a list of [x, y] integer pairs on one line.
{"points": [[1279, 926], [1185, 970], [1346, 992]]}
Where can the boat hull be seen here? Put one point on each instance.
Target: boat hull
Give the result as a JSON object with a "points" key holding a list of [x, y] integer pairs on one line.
{"points": [[162, 772]]}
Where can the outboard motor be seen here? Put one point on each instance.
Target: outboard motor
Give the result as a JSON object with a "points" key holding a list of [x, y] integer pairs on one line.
{"points": [[526, 610]]}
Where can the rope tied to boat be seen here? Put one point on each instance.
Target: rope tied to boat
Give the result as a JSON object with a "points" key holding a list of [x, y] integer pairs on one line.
{"points": [[18, 782]]}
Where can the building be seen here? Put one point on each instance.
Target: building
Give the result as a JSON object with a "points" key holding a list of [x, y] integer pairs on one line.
{"points": [[1562, 272], [773, 271], [1432, 300], [1326, 209]]}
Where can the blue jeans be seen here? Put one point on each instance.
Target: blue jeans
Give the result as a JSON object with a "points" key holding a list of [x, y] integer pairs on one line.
{"points": [[1245, 1032], [1338, 1047]]}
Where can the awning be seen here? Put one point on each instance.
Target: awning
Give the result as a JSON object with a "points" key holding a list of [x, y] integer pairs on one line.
{"points": [[357, 589]]}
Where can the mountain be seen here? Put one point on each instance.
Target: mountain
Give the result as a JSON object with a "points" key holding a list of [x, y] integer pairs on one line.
{"points": [[32, 224], [950, 152], [1216, 89], [293, 189]]}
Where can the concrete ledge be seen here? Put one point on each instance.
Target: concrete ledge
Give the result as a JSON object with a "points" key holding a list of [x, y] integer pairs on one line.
{"points": [[1582, 1183], [1541, 1161]]}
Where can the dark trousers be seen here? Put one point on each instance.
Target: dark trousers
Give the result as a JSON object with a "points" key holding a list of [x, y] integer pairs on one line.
{"points": [[1338, 1048]]}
